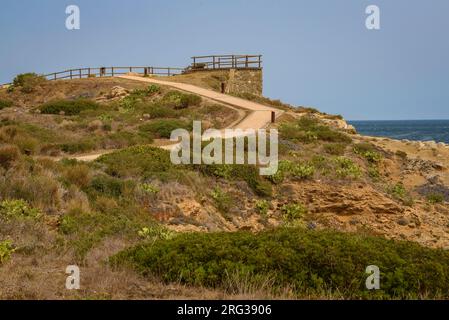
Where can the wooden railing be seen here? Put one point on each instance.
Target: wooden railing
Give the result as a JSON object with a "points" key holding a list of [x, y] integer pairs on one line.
{"points": [[111, 72], [230, 61], [214, 62]]}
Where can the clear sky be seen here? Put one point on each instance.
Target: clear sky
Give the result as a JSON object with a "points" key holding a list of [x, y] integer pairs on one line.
{"points": [[316, 52]]}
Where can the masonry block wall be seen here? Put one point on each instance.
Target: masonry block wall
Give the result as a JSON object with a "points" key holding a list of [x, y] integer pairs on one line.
{"points": [[241, 81]]}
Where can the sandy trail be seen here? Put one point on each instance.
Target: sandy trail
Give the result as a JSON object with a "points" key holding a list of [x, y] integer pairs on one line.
{"points": [[258, 117]]}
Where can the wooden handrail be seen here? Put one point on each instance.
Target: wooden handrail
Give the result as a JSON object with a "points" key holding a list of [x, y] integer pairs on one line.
{"points": [[210, 62], [226, 61]]}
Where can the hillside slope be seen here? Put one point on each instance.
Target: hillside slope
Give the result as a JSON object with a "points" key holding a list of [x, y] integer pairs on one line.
{"points": [[56, 211]]}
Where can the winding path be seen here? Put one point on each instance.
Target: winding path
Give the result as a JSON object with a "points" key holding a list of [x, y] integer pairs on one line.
{"points": [[259, 115]]}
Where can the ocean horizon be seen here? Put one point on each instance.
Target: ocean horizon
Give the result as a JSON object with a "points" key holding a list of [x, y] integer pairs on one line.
{"points": [[416, 130]]}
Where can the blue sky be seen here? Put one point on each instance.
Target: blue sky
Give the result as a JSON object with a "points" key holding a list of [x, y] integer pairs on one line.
{"points": [[316, 52]]}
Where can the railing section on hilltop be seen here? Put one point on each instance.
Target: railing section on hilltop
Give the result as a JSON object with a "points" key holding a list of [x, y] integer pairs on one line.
{"points": [[230, 61], [112, 71]]}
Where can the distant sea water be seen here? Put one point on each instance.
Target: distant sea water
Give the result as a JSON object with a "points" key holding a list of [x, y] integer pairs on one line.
{"points": [[420, 130]]}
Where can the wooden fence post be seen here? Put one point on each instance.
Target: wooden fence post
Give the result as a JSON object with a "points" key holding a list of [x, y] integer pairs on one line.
{"points": [[71, 76]]}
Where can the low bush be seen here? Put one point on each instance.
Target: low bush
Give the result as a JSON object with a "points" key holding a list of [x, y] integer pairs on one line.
{"points": [[435, 198], [6, 250], [221, 199], [248, 173], [78, 147], [336, 149], [5, 104], [398, 192], [401, 154], [156, 232], [78, 174], [163, 128], [158, 110], [110, 186], [138, 161], [17, 209], [68, 107], [368, 152], [8, 155], [346, 168], [180, 100], [308, 129], [262, 207], [27, 82], [149, 188], [148, 91], [293, 211], [288, 168], [307, 262]]}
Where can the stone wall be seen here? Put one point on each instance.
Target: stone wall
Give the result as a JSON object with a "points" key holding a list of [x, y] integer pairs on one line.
{"points": [[242, 81]]}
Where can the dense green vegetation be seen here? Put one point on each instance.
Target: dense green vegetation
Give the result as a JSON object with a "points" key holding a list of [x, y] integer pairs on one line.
{"points": [[309, 262], [68, 107], [308, 130], [162, 128], [27, 82], [5, 104]]}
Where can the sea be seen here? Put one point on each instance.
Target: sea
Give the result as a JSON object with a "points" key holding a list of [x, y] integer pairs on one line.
{"points": [[419, 130]]}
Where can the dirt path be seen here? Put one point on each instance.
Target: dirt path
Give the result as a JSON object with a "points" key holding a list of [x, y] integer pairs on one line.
{"points": [[258, 115]]}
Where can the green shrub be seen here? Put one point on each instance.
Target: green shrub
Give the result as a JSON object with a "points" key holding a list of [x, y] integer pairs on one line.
{"points": [[78, 174], [295, 170], [8, 155], [401, 154], [110, 186], [163, 128], [308, 129], [284, 168], [248, 173], [262, 207], [5, 104], [222, 200], [68, 107], [303, 171], [156, 232], [149, 188], [293, 211], [346, 168], [18, 209], [180, 100], [28, 81], [307, 262], [435, 198], [368, 151], [398, 192], [336, 149], [138, 161], [159, 111], [149, 91], [77, 147], [6, 250]]}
